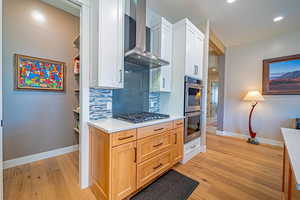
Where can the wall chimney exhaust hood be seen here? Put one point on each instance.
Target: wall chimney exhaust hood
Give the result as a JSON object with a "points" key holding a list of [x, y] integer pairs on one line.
{"points": [[139, 55]]}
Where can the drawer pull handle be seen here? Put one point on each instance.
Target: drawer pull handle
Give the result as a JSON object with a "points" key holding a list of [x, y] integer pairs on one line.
{"points": [[125, 138], [135, 154], [157, 145], [159, 129], [192, 147], [178, 124], [158, 166], [175, 138]]}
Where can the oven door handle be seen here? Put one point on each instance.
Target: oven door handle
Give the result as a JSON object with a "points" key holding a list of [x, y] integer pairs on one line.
{"points": [[192, 114], [188, 85]]}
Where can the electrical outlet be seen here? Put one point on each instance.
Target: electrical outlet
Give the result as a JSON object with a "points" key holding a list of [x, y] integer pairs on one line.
{"points": [[108, 106]]}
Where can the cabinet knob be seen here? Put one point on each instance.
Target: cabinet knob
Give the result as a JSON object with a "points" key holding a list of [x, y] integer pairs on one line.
{"points": [[164, 82]]}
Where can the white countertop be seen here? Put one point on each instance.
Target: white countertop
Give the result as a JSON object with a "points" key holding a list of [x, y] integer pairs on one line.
{"points": [[111, 125], [292, 142]]}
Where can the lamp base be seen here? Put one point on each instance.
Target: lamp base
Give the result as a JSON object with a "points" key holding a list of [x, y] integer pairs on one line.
{"points": [[253, 141]]}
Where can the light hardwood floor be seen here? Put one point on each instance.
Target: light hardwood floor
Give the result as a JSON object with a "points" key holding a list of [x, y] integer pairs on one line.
{"points": [[230, 170], [51, 179]]}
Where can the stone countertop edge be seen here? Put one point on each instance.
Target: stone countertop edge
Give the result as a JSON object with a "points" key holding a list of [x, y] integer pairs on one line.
{"points": [[111, 125], [291, 140]]}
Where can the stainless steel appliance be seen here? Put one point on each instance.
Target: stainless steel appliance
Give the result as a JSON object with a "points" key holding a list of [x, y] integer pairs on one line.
{"points": [[193, 94], [192, 110], [135, 33]]}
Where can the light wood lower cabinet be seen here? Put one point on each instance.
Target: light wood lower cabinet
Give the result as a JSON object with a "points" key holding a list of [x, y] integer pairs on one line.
{"points": [[178, 145], [289, 188], [123, 170], [124, 162]]}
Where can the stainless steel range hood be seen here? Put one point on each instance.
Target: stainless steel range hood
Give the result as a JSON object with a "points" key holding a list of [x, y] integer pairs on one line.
{"points": [[138, 55]]}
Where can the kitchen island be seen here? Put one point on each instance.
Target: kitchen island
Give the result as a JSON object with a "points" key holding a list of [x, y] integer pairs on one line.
{"points": [[291, 164], [126, 157]]}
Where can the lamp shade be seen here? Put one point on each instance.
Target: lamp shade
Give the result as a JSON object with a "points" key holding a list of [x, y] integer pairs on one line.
{"points": [[254, 96]]}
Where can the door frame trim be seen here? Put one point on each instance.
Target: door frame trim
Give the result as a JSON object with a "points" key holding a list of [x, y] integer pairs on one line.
{"points": [[1, 102], [85, 55]]}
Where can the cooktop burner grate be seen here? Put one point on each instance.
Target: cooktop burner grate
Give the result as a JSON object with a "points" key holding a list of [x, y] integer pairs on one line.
{"points": [[141, 117]]}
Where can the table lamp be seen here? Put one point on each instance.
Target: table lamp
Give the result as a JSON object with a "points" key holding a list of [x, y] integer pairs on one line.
{"points": [[254, 97]]}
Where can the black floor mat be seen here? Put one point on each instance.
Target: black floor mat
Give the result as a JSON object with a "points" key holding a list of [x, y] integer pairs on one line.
{"points": [[170, 186]]}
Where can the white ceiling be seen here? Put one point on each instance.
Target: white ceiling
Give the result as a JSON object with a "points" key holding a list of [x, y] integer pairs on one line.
{"points": [[237, 23]]}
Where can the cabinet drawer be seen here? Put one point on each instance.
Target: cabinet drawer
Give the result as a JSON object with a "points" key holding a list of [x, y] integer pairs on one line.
{"points": [[155, 129], [178, 123], [151, 146], [123, 137], [152, 168]]}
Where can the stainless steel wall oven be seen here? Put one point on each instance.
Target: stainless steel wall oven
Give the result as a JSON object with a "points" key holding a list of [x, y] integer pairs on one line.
{"points": [[192, 110]]}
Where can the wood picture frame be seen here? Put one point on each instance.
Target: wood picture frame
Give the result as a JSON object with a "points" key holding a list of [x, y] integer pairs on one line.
{"points": [[32, 73], [281, 76]]}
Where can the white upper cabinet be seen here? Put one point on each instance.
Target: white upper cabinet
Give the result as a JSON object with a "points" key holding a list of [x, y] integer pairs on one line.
{"points": [[190, 41], [108, 71], [161, 39]]}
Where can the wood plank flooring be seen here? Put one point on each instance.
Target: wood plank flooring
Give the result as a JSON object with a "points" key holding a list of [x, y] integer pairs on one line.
{"points": [[51, 179], [235, 170], [230, 170]]}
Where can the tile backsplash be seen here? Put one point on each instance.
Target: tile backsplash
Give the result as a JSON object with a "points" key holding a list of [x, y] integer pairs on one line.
{"points": [[134, 96], [99, 101], [100, 98], [154, 102]]}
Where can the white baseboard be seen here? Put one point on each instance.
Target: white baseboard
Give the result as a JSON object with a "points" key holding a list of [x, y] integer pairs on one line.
{"points": [[190, 155], [211, 129], [39, 156], [242, 136]]}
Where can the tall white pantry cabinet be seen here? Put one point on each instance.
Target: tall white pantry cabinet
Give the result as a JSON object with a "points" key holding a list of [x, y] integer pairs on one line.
{"points": [[189, 51]]}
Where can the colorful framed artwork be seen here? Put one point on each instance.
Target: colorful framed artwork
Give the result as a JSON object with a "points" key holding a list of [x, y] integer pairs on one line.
{"points": [[39, 74], [281, 76]]}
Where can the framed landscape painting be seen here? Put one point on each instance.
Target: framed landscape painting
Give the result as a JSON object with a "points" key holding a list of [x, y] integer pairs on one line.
{"points": [[39, 74], [281, 76]]}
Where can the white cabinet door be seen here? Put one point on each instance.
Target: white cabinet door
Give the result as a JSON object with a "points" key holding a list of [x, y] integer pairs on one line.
{"points": [[190, 53], [111, 43], [199, 56], [166, 54], [160, 78], [194, 53]]}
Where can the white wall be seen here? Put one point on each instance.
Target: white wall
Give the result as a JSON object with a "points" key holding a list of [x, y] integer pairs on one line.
{"points": [[243, 73]]}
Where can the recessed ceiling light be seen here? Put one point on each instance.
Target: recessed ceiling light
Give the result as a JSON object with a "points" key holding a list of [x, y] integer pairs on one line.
{"points": [[230, 1], [277, 19], [38, 16]]}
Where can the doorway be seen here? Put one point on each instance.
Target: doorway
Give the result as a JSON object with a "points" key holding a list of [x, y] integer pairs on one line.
{"points": [[213, 93], [43, 22]]}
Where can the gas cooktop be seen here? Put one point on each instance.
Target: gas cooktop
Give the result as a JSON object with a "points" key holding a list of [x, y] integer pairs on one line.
{"points": [[141, 117]]}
